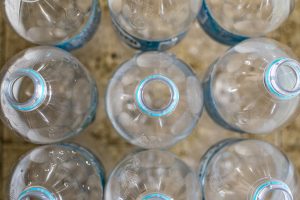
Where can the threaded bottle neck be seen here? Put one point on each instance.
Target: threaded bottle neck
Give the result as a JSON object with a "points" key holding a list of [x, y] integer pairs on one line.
{"points": [[156, 196], [282, 78], [154, 101], [36, 192], [269, 187], [13, 89]]}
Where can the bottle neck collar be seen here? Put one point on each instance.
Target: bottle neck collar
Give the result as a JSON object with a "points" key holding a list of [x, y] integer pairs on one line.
{"points": [[267, 186], [37, 192], [156, 196], [141, 100], [12, 88], [282, 78]]}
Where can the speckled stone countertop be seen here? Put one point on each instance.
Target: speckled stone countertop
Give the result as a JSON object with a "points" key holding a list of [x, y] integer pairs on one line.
{"points": [[102, 56]]}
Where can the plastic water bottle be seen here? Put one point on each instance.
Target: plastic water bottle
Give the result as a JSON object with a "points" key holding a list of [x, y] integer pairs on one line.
{"points": [[154, 100], [236, 169], [57, 172], [67, 24], [254, 87], [47, 95], [153, 25], [152, 175], [232, 21]]}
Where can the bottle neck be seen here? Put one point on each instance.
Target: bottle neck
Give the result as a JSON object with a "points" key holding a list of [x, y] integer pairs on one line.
{"points": [[282, 78], [13, 89], [157, 96], [36, 192], [272, 187], [156, 196]]}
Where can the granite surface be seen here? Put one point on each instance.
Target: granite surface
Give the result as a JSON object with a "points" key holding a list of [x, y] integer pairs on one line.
{"points": [[102, 56]]}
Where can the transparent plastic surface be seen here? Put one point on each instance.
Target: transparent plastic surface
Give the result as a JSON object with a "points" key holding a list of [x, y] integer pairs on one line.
{"points": [[53, 22], [47, 95], [254, 87], [237, 19], [237, 169], [57, 172], [152, 175], [152, 25], [154, 100]]}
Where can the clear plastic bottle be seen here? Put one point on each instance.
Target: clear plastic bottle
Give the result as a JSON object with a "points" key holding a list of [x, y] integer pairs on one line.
{"points": [[153, 25], [152, 175], [67, 24], [47, 95], [254, 87], [57, 172], [232, 21], [236, 169], [154, 100]]}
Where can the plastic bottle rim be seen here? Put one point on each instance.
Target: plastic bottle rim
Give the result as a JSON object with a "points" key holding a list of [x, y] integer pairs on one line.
{"points": [[156, 196], [37, 192], [38, 96], [174, 99], [271, 78], [272, 185]]}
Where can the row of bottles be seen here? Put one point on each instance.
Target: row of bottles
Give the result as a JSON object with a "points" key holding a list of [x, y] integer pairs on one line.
{"points": [[153, 100], [233, 169], [145, 25]]}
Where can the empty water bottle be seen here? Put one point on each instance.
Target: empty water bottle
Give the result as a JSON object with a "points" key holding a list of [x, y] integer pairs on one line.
{"points": [[153, 25], [152, 175], [236, 169], [154, 100], [47, 95], [68, 24], [57, 172], [232, 21], [254, 87]]}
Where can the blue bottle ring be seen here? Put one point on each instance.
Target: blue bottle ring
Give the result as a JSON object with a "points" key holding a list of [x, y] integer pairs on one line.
{"points": [[38, 192], [39, 94], [173, 100], [272, 185], [270, 78], [156, 196]]}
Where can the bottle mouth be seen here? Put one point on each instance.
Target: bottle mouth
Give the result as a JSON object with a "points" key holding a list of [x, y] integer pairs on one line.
{"points": [[13, 89], [39, 193], [157, 95], [271, 186], [156, 196], [282, 78]]}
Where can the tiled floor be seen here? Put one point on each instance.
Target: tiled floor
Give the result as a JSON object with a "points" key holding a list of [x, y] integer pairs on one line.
{"points": [[102, 56]]}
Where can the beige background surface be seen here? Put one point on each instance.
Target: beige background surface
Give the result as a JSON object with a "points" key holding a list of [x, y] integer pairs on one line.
{"points": [[102, 56]]}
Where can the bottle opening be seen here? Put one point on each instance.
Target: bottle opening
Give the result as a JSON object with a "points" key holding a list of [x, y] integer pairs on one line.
{"points": [[156, 196], [26, 89], [286, 78], [272, 188], [282, 78], [23, 89], [36, 193], [157, 95]]}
